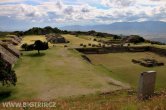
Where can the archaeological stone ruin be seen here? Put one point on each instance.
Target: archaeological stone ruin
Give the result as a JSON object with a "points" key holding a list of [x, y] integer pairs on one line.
{"points": [[146, 62], [8, 53], [55, 38], [146, 85]]}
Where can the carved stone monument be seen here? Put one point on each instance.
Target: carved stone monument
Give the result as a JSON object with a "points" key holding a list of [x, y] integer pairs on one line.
{"points": [[146, 84]]}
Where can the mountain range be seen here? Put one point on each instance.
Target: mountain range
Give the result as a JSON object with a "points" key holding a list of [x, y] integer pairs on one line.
{"points": [[148, 29]]}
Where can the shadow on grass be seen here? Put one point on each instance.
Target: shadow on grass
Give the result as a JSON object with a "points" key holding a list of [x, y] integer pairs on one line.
{"points": [[35, 55], [4, 95]]}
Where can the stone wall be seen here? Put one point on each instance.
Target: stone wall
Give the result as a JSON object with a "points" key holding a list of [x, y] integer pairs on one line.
{"points": [[7, 56], [100, 50], [112, 50], [11, 49], [158, 51]]}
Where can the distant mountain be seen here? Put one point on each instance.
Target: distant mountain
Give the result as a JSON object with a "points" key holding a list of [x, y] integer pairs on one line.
{"points": [[141, 28]]}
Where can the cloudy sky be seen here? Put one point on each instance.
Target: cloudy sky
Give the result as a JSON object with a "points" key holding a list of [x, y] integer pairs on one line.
{"points": [[23, 14]]}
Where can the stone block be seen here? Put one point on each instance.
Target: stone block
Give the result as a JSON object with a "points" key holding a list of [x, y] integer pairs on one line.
{"points": [[146, 85]]}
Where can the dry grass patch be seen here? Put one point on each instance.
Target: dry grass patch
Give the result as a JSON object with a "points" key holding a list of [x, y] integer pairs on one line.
{"points": [[76, 41]]}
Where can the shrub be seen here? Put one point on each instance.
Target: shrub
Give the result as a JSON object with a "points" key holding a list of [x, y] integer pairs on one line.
{"points": [[84, 45], [93, 45], [30, 47], [81, 44], [94, 39], [135, 39], [24, 46], [65, 46]]}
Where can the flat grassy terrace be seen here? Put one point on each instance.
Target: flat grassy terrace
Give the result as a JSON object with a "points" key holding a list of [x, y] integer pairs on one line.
{"points": [[56, 72], [122, 68], [30, 39], [76, 41], [60, 74]]}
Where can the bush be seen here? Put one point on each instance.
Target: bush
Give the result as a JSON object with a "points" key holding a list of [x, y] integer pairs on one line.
{"points": [[24, 46], [136, 39], [94, 39], [81, 44], [89, 44], [84, 45], [30, 47], [68, 42], [93, 45]]}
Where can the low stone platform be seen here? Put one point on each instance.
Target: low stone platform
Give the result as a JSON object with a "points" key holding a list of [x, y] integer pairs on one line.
{"points": [[146, 62]]}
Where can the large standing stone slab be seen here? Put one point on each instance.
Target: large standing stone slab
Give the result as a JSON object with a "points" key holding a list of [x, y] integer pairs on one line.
{"points": [[146, 84]]}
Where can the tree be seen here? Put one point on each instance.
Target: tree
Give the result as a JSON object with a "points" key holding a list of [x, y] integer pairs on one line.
{"points": [[45, 46], [99, 34], [92, 32], [115, 37], [38, 45], [18, 33], [48, 30], [24, 46], [34, 31], [136, 39], [30, 47], [7, 75]]}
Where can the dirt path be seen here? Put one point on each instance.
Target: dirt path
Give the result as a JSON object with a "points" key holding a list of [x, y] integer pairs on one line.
{"points": [[118, 83]]}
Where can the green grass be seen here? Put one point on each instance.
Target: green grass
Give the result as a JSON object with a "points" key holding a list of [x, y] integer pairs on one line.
{"points": [[88, 37], [76, 41], [120, 67], [62, 75], [30, 39], [56, 72]]}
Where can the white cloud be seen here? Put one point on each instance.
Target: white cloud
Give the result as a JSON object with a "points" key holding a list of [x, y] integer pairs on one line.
{"points": [[81, 12], [22, 11], [10, 1], [117, 3]]}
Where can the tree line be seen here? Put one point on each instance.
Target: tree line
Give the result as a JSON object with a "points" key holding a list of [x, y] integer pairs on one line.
{"points": [[48, 30]]}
